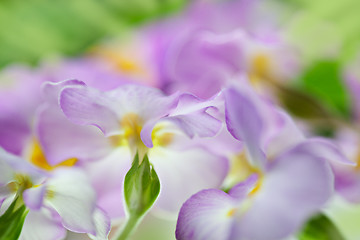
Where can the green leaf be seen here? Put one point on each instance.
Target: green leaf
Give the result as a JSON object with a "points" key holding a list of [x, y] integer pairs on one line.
{"points": [[141, 187], [320, 227], [12, 221], [324, 81]]}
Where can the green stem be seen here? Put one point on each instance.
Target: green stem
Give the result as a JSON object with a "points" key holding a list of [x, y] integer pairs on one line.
{"points": [[129, 227]]}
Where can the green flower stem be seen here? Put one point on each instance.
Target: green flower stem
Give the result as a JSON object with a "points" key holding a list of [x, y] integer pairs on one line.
{"points": [[129, 227]]}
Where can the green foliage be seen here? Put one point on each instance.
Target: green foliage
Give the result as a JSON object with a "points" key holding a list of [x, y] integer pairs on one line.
{"points": [[33, 29], [141, 187], [324, 81], [301, 104], [12, 221], [320, 227]]}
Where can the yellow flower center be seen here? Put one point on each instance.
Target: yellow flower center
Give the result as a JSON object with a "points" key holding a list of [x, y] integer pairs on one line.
{"points": [[260, 66], [37, 157], [131, 125], [240, 169], [123, 60], [21, 182]]}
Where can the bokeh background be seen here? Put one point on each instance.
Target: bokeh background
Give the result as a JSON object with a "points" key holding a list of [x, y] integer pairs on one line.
{"points": [[327, 32]]}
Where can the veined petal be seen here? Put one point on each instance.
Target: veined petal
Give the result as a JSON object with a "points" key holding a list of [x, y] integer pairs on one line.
{"points": [[42, 225], [88, 106], [207, 215], [71, 196], [296, 185], [102, 225], [183, 173], [148, 103]]}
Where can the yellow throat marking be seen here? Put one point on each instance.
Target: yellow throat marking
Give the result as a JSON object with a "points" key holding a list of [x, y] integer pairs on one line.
{"points": [[131, 125], [37, 157], [260, 66]]}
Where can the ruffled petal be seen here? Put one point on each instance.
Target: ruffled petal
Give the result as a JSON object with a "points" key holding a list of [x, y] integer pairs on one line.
{"points": [[51, 90], [148, 103], [191, 116]]}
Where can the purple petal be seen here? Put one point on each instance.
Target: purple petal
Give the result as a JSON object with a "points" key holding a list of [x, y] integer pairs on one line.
{"points": [[207, 215], [51, 91], [347, 183], [61, 139], [296, 186], [14, 132], [88, 106], [149, 104], [241, 190], [286, 137], [244, 121], [326, 149], [191, 116], [34, 197]]}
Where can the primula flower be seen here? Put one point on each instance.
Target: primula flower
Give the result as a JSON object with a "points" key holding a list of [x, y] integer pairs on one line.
{"points": [[284, 185], [60, 200], [141, 119], [201, 51]]}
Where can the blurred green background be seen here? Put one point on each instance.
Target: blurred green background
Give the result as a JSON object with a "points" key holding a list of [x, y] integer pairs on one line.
{"points": [[32, 29]]}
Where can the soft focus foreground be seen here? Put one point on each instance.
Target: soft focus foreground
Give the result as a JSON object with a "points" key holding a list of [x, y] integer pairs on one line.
{"points": [[180, 120]]}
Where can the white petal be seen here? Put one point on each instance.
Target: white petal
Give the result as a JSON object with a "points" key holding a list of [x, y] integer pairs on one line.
{"points": [[102, 224], [42, 225], [71, 195]]}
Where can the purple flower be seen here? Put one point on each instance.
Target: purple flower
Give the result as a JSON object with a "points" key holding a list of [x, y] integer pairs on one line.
{"points": [[135, 118], [288, 177], [62, 199], [203, 50]]}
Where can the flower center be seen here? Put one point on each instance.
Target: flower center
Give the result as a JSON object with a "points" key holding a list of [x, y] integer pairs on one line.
{"points": [[37, 157], [240, 169], [21, 182], [259, 68], [131, 125]]}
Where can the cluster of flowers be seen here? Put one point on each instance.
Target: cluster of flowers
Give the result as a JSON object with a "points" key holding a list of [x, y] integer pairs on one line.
{"points": [[189, 94]]}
